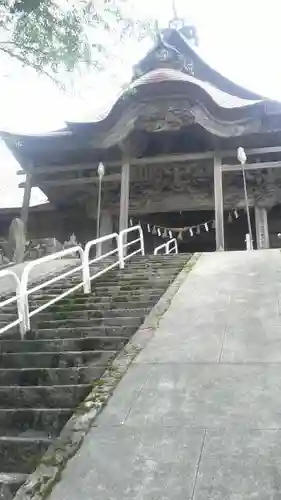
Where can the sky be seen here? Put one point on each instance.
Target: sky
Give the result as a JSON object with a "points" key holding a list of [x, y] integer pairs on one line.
{"points": [[241, 39]]}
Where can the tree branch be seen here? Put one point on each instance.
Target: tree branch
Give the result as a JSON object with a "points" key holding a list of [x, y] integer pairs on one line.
{"points": [[31, 64]]}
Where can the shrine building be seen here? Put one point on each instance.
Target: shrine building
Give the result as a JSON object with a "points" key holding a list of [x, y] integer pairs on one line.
{"points": [[169, 149]]}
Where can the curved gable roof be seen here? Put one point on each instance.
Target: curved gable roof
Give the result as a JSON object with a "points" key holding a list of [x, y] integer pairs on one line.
{"points": [[202, 70]]}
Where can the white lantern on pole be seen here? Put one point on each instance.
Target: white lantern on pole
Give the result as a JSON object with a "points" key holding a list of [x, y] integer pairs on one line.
{"points": [[101, 172]]}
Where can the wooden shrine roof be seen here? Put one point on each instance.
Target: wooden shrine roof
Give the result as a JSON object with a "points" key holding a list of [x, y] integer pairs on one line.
{"points": [[173, 90]]}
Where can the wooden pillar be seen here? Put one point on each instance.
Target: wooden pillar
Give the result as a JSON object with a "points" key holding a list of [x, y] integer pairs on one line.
{"points": [[218, 191], [26, 200], [106, 227], [124, 196], [261, 227]]}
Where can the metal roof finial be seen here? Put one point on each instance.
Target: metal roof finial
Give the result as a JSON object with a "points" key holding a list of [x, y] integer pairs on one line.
{"points": [[174, 7], [176, 22]]}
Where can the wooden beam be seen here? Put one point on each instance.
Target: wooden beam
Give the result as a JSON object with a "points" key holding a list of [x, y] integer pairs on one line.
{"points": [[26, 199], [208, 155], [218, 190], [124, 196], [72, 182], [251, 166], [261, 227], [134, 162], [61, 168], [259, 151]]}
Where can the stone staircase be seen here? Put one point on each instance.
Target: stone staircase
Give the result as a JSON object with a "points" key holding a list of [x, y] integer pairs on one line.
{"points": [[45, 377]]}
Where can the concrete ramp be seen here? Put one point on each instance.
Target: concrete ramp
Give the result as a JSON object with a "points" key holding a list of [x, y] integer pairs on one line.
{"points": [[198, 414]]}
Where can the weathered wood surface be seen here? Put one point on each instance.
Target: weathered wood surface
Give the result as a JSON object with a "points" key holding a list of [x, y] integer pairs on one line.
{"points": [[219, 214], [159, 159]]}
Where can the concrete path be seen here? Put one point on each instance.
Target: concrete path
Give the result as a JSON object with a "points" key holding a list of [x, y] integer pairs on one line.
{"points": [[198, 415]]}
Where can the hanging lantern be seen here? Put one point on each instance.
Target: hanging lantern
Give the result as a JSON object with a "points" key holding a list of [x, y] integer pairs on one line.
{"points": [[170, 234], [159, 231], [131, 222], [229, 217], [191, 231], [154, 230], [180, 238], [198, 230], [236, 214], [206, 227], [148, 228]]}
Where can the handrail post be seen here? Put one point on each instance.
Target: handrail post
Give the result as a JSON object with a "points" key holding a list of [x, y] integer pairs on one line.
{"points": [[141, 240], [21, 313], [17, 299], [166, 247], [86, 258], [86, 271], [24, 302], [121, 251], [24, 306]]}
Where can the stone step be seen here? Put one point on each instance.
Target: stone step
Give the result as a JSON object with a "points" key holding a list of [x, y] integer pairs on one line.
{"points": [[82, 314], [92, 314], [80, 322], [81, 305], [19, 454], [50, 376], [137, 264], [63, 344], [114, 286], [160, 261], [140, 277], [72, 332], [64, 396], [81, 332], [140, 274], [105, 296], [46, 421], [91, 302], [55, 359], [130, 284], [71, 344], [10, 483]]}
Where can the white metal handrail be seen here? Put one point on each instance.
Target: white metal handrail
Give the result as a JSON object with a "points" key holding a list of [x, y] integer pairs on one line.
{"points": [[11, 300], [174, 248], [87, 278], [123, 256], [167, 247], [157, 250], [24, 292]]}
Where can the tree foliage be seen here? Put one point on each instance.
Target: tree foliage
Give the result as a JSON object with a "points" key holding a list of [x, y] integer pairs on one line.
{"points": [[49, 35]]}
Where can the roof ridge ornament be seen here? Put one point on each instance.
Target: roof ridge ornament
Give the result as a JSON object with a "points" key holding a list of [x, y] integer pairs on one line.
{"points": [[176, 22]]}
